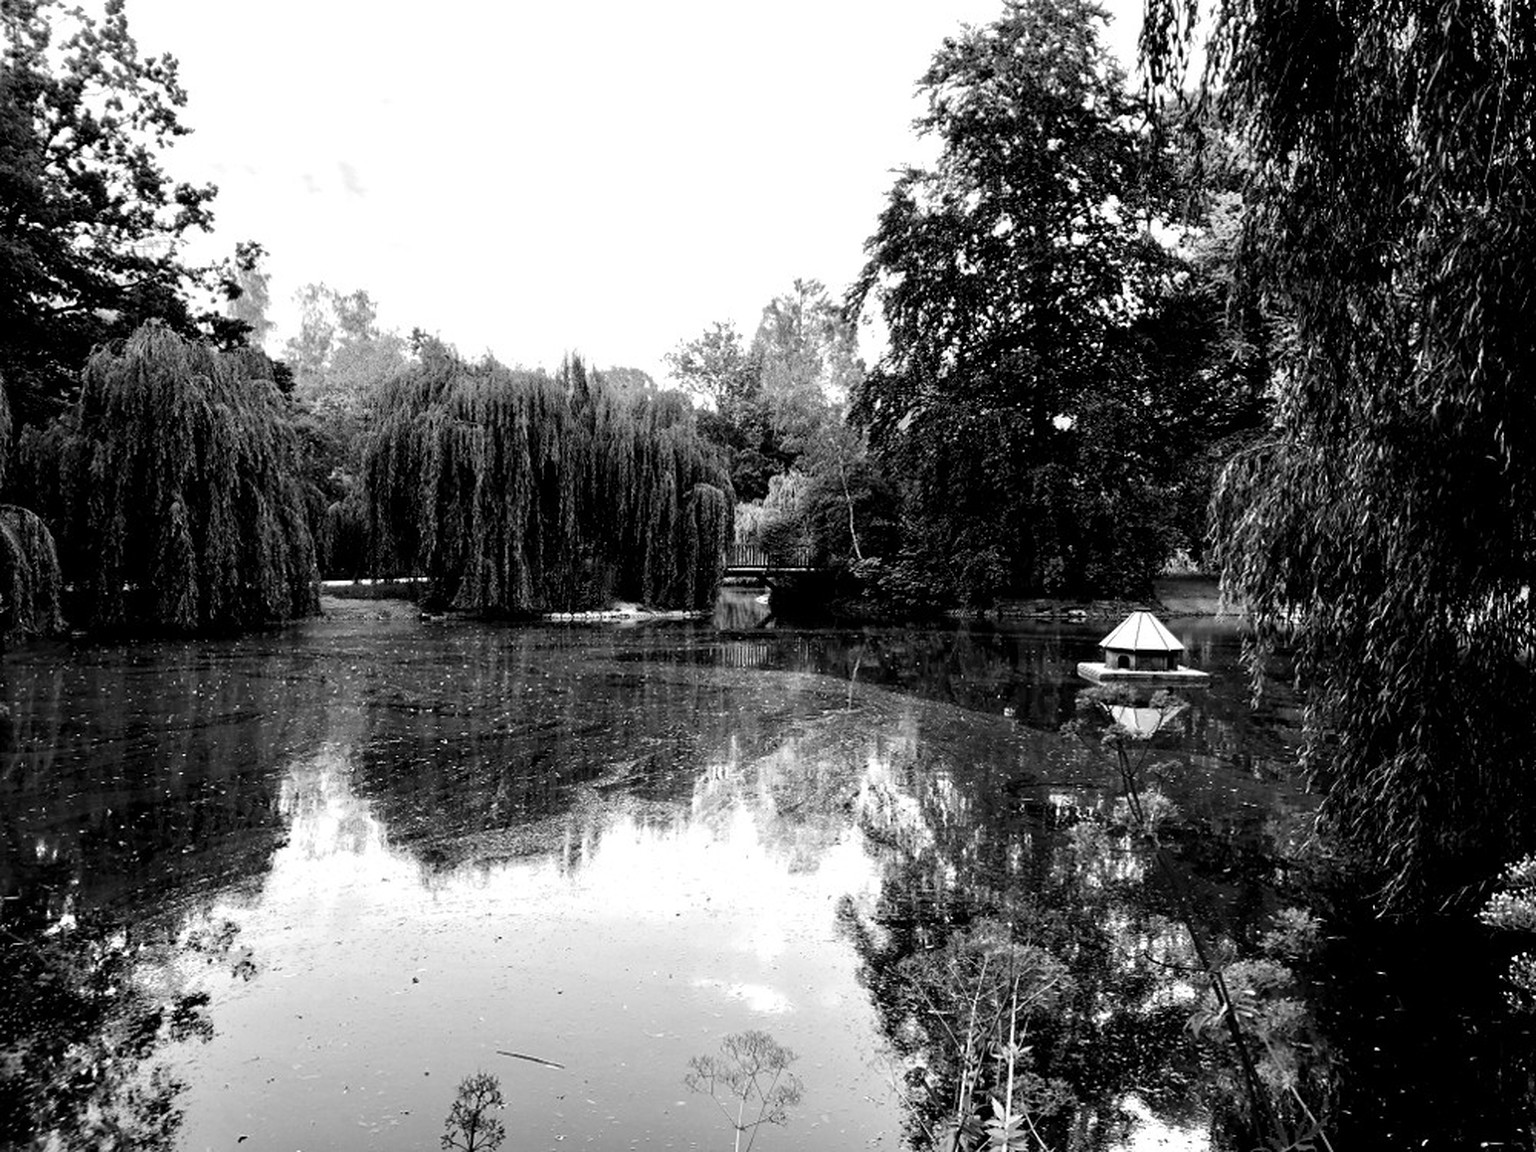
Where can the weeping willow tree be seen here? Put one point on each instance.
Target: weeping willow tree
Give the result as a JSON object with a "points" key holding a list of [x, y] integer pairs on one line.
{"points": [[516, 492], [1387, 527], [342, 541], [172, 489], [30, 585]]}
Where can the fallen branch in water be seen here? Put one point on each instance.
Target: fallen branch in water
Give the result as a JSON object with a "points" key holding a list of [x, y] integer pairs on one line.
{"points": [[530, 1059]]}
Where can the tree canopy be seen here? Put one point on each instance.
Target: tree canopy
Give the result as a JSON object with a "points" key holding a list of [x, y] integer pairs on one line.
{"points": [[517, 492], [172, 490], [1385, 528], [778, 408], [92, 226], [340, 359], [1007, 275]]}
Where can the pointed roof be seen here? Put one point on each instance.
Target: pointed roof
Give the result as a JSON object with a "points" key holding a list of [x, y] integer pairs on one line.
{"points": [[1141, 632]]}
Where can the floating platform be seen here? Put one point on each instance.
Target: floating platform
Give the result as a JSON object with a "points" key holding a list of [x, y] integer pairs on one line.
{"points": [[1099, 673]]}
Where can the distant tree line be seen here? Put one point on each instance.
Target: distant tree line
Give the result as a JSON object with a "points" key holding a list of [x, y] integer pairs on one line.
{"points": [[185, 493]]}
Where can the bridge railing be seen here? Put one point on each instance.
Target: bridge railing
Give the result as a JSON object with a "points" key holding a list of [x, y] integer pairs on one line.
{"points": [[756, 556]]}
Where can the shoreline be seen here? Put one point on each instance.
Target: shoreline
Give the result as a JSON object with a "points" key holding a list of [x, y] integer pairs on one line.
{"points": [[1173, 597]]}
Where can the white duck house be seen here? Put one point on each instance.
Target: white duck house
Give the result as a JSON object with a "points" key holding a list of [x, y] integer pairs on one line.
{"points": [[1141, 650], [1142, 644]]}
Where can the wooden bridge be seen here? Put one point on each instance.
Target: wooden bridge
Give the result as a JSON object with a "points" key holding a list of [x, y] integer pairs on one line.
{"points": [[752, 560]]}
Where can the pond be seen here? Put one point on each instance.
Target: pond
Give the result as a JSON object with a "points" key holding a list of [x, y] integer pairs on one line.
{"points": [[287, 892]]}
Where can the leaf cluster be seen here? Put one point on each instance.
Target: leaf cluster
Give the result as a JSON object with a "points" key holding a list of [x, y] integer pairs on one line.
{"points": [[91, 224], [750, 1075], [1386, 528], [470, 1126]]}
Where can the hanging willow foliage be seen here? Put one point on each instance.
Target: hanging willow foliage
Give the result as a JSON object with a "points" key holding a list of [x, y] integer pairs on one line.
{"points": [[518, 492], [172, 487], [342, 542], [30, 586], [1386, 529]]}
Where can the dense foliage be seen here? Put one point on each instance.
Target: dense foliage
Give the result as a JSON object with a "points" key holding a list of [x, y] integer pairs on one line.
{"points": [[30, 584], [171, 490], [83, 1034], [807, 485], [340, 360], [1386, 528], [92, 226], [516, 492], [1008, 275], [770, 402]]}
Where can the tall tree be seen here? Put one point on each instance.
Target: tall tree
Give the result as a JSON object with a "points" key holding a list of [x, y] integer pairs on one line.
{"points": [[250, 293], [1003, 273], [340, 359], [809, 367], [771, 402], [515, 492], [716, 367], [808, 358], [1387, 529], [171, 487], [91, 224], [340, 356]]}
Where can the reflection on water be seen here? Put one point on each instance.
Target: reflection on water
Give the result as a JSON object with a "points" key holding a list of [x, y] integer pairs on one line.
{"points": [[374, 854], [617, 936], [742, 609]]}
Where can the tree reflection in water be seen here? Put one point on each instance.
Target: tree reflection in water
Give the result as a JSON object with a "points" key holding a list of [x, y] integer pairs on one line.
{"points": [[115, 819], [85, 1010], [1000, 874], [1360, 1033], [1032, 952]]}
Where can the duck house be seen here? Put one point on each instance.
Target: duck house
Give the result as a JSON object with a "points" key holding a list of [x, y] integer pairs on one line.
{"points": [[1141, 650]]}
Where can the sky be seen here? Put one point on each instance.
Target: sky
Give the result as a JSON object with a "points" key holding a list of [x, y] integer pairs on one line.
{"points": [[528, 179]]}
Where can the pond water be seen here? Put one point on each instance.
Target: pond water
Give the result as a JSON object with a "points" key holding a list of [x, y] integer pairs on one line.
{"points": [[287, 892]]}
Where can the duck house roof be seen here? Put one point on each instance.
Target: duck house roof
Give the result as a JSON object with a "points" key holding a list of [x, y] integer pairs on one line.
{"points": [[1141, 632]]}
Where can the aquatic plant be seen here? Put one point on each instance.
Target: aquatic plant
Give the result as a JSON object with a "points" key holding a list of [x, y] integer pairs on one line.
{"points": [[1263, 999], [1512, 909], [977, 1000], [752, 1071], [983, 865], [171, 490], [470, 1127], [516, 491]]}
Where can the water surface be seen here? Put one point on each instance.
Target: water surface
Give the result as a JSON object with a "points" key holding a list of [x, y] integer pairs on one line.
{"points": [[329, 872]]}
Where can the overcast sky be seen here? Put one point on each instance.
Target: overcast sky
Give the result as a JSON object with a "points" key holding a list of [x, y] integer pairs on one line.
{"points": [[527, 178]]}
